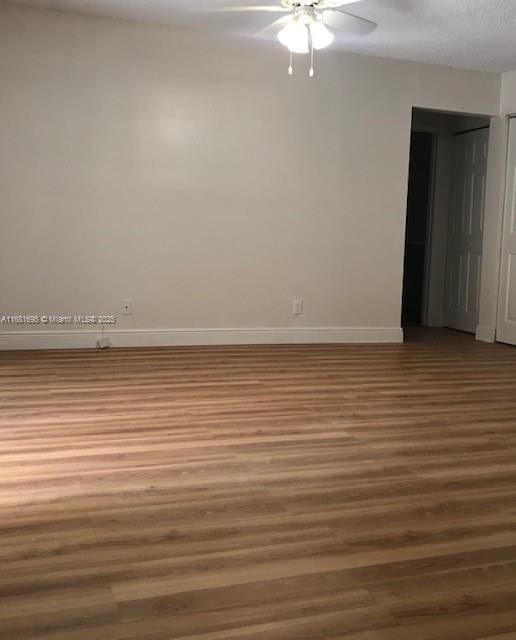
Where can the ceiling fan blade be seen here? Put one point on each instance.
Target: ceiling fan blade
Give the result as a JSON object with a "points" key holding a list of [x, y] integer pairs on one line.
{"points": [[335, 4], [349, 22], [274, 28], [242, 9]]}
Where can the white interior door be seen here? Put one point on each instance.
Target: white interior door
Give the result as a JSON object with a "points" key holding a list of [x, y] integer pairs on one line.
{"points": [[506, 329], [466, 230]]}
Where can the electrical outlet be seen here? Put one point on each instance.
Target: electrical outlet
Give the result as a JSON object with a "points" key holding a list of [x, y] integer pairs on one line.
{"points": [[127, 307], [297, 307]]}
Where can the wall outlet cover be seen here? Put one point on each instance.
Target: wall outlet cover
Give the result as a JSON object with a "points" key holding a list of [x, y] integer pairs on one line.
{"points": [[127, 307]]}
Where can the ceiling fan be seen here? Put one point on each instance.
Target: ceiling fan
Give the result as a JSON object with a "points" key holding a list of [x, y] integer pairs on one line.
{"points": [[303, 28]]}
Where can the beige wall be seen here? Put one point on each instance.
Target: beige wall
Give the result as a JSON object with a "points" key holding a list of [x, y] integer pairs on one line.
{"points": [[508, 93], [496, 178], [195, 177], [494, 206]]}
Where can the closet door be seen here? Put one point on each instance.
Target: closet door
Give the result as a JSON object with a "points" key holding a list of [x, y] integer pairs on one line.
{"points": [[466, 230], [506, 329]]}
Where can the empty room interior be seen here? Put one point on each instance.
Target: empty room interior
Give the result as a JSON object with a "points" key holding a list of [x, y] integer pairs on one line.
{"points": [[257, 320]]}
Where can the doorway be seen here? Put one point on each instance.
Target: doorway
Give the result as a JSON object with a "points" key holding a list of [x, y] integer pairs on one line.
{"points": [[444, 225]]}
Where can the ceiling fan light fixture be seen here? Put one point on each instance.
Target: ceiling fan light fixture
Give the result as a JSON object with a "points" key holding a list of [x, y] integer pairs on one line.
{"points": [[322, 37], [295, 37]]}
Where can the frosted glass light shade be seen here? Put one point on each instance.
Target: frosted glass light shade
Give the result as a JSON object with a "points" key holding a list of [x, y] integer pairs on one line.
{"points": [[322, 37], [295, 37]]}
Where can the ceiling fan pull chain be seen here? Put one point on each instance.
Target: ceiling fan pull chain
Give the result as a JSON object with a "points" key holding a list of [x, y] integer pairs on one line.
{"points": [[311, 71], [290, 67]]}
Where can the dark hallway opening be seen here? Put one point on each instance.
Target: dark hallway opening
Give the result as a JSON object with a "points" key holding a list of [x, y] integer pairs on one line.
{"points": [[418, 206]]}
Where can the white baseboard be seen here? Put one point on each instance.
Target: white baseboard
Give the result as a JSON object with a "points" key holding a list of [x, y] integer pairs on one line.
{"points": [[14, 340], [485, 334]]}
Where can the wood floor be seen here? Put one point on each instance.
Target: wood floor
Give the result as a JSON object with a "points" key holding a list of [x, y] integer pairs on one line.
{"points": [[260, 493]]}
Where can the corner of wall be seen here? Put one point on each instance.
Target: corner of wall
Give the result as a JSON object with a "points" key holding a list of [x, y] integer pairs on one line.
{"points": [[508, 93]]}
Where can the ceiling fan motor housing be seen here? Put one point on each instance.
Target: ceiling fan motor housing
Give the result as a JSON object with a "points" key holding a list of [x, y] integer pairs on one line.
{"points": [[300, 4]]}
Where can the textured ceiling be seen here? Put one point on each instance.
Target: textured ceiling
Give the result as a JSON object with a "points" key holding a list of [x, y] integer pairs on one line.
{"points": [[473, 34]]}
